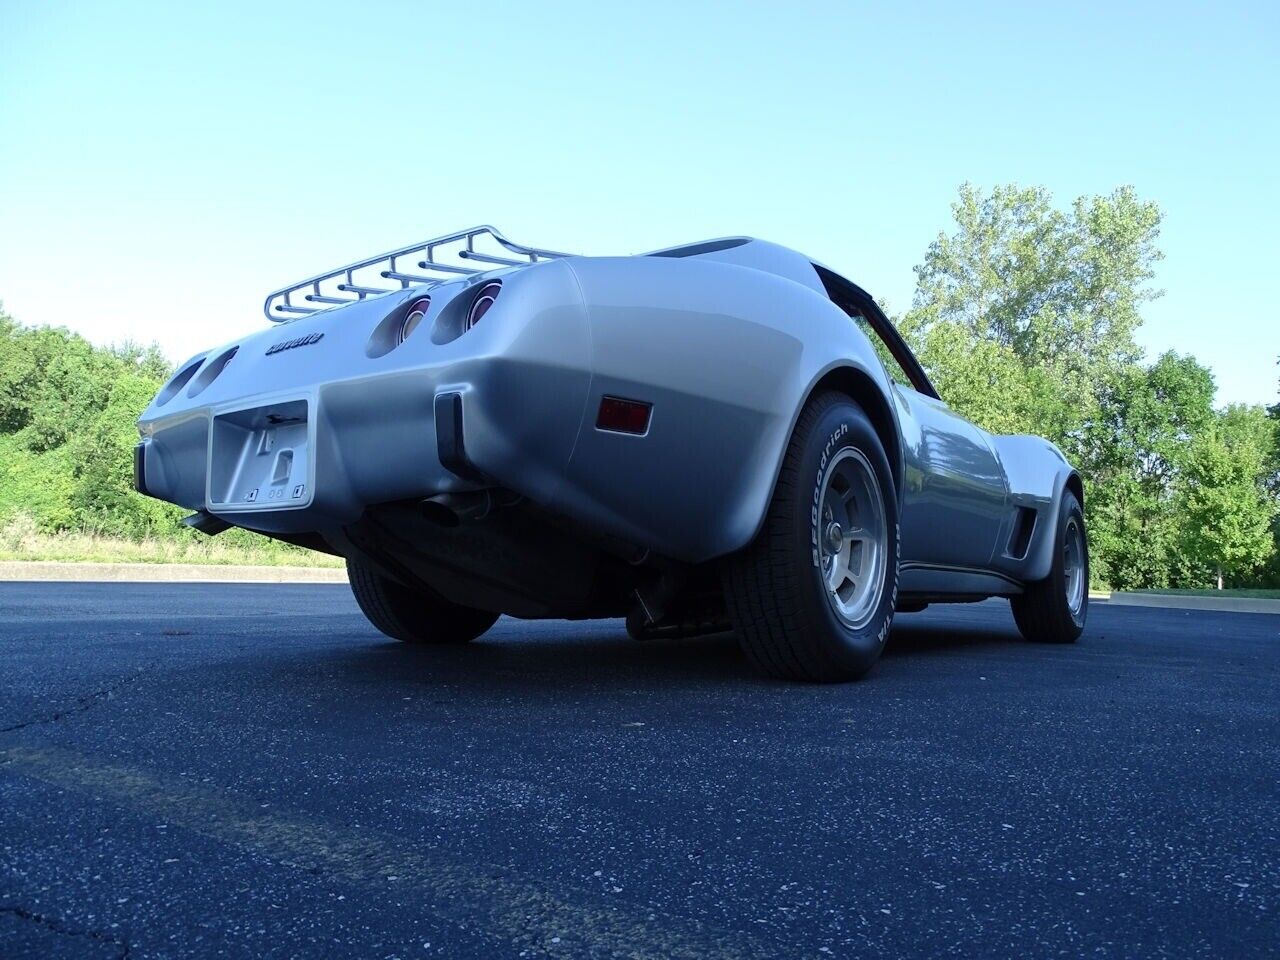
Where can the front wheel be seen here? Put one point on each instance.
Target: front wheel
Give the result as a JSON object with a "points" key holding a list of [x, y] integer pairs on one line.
{"points": [[1053, 610], [418, 617], [812, 597]]}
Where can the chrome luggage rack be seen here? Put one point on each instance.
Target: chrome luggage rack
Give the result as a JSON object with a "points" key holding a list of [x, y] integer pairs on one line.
{"points": [[349, 285]]}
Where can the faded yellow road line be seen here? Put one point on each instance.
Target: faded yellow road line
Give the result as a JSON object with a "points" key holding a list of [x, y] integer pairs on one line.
{"points": [[522, 912]]}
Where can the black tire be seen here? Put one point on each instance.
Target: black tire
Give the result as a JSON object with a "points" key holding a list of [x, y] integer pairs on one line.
{"points": [[418, 617], [774, 589], [1043, 611]]}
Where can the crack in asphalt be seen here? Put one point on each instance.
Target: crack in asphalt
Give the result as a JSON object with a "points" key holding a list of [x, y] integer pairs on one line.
{"points": [[56, 926], [80, 705]]}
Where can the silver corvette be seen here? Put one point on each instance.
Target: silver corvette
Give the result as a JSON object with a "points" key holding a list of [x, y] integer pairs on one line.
{"points": [[723, 435]]}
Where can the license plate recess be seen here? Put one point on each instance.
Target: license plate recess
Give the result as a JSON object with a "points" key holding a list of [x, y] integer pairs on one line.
{"points": [[260, 458]]}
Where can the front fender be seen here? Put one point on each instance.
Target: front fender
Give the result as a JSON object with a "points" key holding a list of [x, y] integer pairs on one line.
{"points": [[1038, 474]]}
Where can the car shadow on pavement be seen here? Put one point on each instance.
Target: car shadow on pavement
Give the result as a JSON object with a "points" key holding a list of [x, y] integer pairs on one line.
{"points": [[605, 659], [602, 657], [913, 635]]}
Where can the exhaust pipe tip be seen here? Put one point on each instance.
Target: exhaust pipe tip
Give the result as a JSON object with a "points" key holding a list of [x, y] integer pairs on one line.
{"points": [[453, 509]]}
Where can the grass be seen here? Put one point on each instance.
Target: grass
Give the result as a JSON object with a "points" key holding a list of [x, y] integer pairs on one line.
{"points": [[21, 539], [1247, 593]]}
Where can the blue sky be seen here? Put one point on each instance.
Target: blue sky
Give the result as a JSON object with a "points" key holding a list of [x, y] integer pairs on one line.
{"points": [[164, 165]]}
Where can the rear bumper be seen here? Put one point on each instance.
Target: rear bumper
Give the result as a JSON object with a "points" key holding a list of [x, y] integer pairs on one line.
{"points": [[140, 469], [353, 444]]}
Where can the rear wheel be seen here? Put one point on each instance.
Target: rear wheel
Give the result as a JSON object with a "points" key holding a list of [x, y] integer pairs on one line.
{"points": [[813, 596], [413, 616], [1053, 610]]}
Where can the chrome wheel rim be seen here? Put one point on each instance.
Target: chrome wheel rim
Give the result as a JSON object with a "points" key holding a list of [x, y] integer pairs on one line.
{"points": [[1073, 565], [852, 537]]}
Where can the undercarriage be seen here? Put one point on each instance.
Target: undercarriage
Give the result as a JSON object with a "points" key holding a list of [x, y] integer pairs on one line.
{"points": [[493, 550]]}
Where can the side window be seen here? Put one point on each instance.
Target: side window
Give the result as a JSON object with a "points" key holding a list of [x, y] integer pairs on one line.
{"points": [[899, 363], [891, 366]]}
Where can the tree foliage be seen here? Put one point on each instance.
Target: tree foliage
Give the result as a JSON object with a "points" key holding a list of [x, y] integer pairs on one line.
{"points": [[1058, 289], [67, 413], [1225, 509], [1131, 453]]}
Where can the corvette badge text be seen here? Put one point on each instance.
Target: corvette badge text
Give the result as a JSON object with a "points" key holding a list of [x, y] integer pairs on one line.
{"points": [[306, 341]]}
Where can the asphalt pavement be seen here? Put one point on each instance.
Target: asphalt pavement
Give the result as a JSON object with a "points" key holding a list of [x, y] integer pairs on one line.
{"points": [[233, 770]]}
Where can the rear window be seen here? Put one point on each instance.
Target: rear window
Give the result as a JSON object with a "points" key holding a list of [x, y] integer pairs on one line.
{"points": [[891, 365], [694, 249]]}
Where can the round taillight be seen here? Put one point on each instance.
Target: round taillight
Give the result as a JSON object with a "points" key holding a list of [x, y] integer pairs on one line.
{"points": [[178, 381], [210, 371], [483, 301], [417, 313]]}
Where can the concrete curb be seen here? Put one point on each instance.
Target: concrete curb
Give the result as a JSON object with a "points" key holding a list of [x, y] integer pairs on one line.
{"points": [[1176, 602], [44, 570], [166, 572]]}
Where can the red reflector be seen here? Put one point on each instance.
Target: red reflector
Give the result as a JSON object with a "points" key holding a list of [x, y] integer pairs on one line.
{"points": [[623, 416]]}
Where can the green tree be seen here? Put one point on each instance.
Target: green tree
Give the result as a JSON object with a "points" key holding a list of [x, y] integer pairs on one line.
{"points": [[987, 382], [1253, 425], [1134, 448], [1056, 288], [102, 472], [1225, 509], [67, 414]]}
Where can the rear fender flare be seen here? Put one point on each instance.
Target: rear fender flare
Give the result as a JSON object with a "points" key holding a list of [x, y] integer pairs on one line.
{"points": [[867, 387], [728, 356]]}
